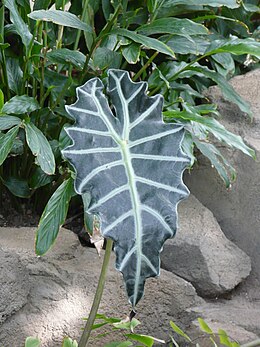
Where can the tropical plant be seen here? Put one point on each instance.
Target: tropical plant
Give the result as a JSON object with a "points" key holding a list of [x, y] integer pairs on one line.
{"points": [[179, 48]]}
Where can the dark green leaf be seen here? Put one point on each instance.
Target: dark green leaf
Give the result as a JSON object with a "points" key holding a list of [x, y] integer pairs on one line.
{"points": [[148, 42], [6, 143], [127, 183], [55, 81], [20, 26], [213, 126], [131, 52], [107, 8], [174, 26], [217, 161], [41, 4], [235, 46], [228, 91], [39, 178], [14, 74], [104, 58], [18, 147], [186, 45], [64, 18], [7, 122], [20, 105], [32, 342], [18, 187], [53, 217], [224, 64], [67, 56], [179, 331], [40, 147]]}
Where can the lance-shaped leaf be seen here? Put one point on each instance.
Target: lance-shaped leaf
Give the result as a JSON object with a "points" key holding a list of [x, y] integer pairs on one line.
{"points": [[132, 165]]}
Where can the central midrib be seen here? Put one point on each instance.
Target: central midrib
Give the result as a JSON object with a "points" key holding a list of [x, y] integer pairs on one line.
{"points": [[136, 209]]}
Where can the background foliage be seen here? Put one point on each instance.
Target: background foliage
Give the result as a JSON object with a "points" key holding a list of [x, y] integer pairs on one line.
{"points": [[180, 47]]}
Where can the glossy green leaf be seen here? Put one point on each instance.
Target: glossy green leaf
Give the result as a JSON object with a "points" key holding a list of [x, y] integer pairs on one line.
{"points": [[63, 18], [186, 44], [53, 217], [224, 169], [20, 26], [6, 143], [235, 46], [179, 331], [14, 74], [68, 342], [106, 58], [148, 42], [174, 26], [40, 147], [39, 178], [41, 4], [131, 159], [204, 326], [131, 52], [228, 91], [7, 122], [67, 56], [18, 187], [32, 342], [20, 105], [213, 126]]}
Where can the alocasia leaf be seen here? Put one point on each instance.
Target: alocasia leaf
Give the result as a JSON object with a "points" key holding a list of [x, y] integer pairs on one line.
{"points": [[132, 165]]}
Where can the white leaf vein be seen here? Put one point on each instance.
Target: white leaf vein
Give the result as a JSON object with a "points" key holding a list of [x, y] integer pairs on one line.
{"points": [[99, 169]]}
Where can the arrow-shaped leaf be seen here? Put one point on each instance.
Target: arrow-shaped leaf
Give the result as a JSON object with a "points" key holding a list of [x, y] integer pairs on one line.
{"points": [[132, 165]]}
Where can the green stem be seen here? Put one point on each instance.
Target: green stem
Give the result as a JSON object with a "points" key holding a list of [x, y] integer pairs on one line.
{"points": [[94, 309], [5, 75], [254, 343], [107, 28], [83, 18], [145, 66]]}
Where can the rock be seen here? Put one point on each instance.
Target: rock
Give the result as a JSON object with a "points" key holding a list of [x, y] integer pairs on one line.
{"points": [[238, 209], [201, 254], [239, 317], [14, 287], [59, 289]]}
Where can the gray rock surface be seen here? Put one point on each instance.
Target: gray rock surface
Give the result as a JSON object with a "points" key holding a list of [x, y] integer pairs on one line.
{"points": [[238, 209], [201, 254], [14, 287], [239, 317], [57, 292]]}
